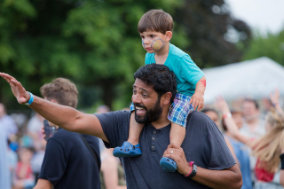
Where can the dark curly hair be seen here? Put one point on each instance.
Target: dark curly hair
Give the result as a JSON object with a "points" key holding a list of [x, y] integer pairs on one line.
{"points": [[159, 76]]}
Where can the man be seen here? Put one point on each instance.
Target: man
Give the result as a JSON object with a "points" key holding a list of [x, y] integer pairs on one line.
{"points": [[7, 124], [68, 162], [254, 125], [153, 91], [5, 179]]}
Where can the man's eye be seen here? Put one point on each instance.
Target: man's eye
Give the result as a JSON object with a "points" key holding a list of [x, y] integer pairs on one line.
{"points": [[144, 95]]}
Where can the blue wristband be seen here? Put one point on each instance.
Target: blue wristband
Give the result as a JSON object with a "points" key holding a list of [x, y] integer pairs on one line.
{"points": [[31, 99]]}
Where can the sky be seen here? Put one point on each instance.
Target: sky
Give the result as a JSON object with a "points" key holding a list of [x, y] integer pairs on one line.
{"points": [[262, 15]]}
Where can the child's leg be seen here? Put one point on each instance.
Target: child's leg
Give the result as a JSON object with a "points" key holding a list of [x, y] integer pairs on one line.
{"points": [[131, 147], [177, 134], [134, 130]]}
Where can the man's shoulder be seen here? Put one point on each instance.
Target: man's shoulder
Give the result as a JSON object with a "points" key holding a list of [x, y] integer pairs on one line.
{"points": [[200, 120], [115, 115], [63, 137], [198, 116]]}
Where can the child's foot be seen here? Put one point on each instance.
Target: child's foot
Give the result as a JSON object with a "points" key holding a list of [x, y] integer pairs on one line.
{"points": [[127, 150], [168, 164]]}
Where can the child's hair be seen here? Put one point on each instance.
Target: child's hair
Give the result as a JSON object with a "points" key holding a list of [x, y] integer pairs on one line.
{"points": [[156, 20], [268, 148]]}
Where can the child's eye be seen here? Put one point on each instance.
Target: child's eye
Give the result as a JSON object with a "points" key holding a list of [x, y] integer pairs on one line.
{"points": [[134, 91]]}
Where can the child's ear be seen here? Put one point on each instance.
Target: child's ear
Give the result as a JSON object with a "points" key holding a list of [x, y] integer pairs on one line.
{"points": [[169, 35]]}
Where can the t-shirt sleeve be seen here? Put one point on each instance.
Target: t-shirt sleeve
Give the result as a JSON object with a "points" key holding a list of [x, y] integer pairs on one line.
{"points": [[115, 126], [54, 162], [216, 153], [190, 71]]}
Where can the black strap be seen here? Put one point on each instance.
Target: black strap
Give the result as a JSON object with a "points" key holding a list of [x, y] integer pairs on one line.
{"points": [[95, 155]]}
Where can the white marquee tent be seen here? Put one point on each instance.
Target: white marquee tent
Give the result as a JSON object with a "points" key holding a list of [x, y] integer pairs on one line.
{"points": [[254, 78]]}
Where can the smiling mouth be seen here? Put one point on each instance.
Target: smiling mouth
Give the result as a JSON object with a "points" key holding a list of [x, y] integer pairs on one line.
{"points": [[140, 110]]}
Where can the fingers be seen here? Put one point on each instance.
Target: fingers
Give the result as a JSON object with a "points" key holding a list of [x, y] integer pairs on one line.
{"points": [[197, 104]]}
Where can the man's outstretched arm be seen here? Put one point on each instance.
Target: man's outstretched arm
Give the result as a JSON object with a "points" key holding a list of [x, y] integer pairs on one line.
{"points": [[63, 116]]}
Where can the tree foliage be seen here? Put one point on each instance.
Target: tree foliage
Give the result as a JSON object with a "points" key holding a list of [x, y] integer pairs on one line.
{"points": [[95, 43], [270, 45], [213, 33]]}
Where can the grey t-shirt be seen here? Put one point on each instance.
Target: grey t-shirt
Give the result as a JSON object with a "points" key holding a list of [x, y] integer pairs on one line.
{"points": [[204, 144]]}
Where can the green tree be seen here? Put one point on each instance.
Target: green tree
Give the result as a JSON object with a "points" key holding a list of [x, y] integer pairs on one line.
{"points": [[214, 35], [270, 45], [93, 42]]}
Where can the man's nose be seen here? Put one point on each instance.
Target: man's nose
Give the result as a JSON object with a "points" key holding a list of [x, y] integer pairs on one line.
{"points": [[136, 98]]}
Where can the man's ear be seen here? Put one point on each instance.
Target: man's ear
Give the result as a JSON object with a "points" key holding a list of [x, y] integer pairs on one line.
{"points": [[169, 35], [166, 98]]}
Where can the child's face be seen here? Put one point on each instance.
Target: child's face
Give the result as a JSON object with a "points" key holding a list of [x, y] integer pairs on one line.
{"points": [[154, 41]]}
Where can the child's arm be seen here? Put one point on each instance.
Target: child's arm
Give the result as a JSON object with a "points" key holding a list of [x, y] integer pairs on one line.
{"points": [[197, 99]]}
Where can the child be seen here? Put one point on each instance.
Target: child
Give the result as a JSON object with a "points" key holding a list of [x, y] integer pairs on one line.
{"points": [[155, 28]]}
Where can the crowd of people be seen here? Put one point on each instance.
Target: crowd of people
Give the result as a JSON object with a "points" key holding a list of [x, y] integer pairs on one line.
{"points": [[162, 140]]}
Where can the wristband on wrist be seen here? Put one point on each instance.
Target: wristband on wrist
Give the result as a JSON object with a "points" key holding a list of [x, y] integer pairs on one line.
{"points": [[193, 170], [282, 161], [30, 100], [226, 115]]}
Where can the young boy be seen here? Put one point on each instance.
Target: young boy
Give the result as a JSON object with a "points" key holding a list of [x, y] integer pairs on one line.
{"points": [[155, 28]]}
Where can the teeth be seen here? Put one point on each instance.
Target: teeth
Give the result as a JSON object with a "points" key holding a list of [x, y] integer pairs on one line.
{"points": [[138, 108]]}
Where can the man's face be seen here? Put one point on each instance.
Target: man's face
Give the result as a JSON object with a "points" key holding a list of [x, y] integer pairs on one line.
{"points": [[2, 110], [250, 112], [212, 115], [153, 41], [238, 118], [146, 102]]}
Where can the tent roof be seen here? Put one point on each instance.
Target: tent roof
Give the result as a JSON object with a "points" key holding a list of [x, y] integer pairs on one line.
{"points": [[253, 78]]}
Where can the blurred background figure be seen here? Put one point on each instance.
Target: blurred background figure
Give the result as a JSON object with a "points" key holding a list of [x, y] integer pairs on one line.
{"points": [[237, 148], [7, 123], [24, 178], [237, 116], [253, 124], [241, 151], [213, 115], [5, 179], [266, 149], [112, 173]]}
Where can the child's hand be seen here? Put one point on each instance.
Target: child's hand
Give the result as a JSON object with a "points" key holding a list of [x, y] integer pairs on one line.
{"points": [[197, 101]]}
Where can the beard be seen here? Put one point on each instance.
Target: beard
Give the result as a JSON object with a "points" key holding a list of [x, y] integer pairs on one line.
{"points": [[151, 115]]}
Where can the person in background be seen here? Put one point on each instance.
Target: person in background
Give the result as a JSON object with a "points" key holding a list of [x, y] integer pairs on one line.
{"points": [[212, 114], [7, 123], [242, 154], [71, 160], [112, 174], [237, 115], [253, 124], [266, 149], [24, 178], [5, 177]]}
